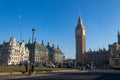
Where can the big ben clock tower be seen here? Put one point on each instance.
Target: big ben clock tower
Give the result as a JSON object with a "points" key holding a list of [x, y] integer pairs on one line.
{"points": [[80, 42]]}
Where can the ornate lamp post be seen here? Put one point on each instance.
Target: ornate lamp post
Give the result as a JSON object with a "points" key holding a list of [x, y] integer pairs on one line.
{"points": [[31, 66], [33, 55], [33, 30]]}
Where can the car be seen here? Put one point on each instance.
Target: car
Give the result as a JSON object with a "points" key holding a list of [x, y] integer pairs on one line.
{"points": [[40, 65], [87, 66], [50, 65]]}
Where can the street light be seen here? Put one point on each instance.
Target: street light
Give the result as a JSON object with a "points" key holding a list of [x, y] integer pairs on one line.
{"points": [[31, 66], [33, 30], [33, 56]]}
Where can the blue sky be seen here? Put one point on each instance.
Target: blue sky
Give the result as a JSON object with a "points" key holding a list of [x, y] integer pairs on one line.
{"points": [[55, 21]]}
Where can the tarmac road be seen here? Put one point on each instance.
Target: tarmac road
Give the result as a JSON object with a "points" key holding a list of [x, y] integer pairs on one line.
{"points": [[75, 75]]}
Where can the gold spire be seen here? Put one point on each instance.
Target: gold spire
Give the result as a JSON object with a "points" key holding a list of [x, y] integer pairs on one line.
{"points": [[80, 21]]}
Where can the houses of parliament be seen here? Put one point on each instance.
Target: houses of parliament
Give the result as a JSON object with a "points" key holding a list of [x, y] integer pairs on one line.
{"points": [[102, 57]]}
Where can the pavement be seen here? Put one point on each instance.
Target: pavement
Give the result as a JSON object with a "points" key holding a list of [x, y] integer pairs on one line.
{"points": [[11, 73]]}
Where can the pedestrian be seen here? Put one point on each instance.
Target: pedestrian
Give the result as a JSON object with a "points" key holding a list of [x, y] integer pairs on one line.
{"points": [[26, 67], [32, 67]]}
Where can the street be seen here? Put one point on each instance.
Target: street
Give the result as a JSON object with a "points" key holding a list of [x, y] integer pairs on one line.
{"points": [[71, 75]]}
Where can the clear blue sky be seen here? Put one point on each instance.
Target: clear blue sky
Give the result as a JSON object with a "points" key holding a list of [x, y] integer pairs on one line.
{"points": [[55, 21]]}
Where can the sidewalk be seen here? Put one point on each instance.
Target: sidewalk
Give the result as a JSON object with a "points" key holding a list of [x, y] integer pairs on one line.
{"points": [[10, 73], [72, 70], [17, 76]]}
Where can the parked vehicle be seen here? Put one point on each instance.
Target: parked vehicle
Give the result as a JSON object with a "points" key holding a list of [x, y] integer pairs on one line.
{"points": [[40, 65], [87, 66], [50, 65]]}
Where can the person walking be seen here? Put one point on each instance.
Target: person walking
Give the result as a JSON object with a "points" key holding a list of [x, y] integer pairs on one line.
{"points": [[26, 67]]}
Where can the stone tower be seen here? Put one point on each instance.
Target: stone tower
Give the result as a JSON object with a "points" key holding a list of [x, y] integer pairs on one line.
{"points": [[80, 42]]}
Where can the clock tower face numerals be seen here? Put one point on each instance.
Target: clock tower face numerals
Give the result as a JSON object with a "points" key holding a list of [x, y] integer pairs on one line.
{"points": [[78, 32], [84, 32]]}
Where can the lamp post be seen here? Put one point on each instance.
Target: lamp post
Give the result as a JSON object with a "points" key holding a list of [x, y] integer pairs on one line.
{"points": [[31, 66], [33, 56], [33, 30]]}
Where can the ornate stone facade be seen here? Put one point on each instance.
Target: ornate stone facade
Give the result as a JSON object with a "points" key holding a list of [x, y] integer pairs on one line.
{"points": [[98, 59], [114, 56], [42, 54], [13, 53], [55, 55], [38, 53]]}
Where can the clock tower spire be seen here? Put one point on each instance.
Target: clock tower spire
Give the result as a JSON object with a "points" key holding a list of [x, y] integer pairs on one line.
{"points": [[80, 42]]}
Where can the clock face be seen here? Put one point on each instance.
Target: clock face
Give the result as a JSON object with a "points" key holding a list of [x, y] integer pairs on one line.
{"points": [[83, 32], [78, 32]]}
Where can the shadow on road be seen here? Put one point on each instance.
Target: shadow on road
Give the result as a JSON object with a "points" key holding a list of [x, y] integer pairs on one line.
{"points": [[75, 76]]}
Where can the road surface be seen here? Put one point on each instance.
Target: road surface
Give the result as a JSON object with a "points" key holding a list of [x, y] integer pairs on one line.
{"points": [[71, 75]]}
